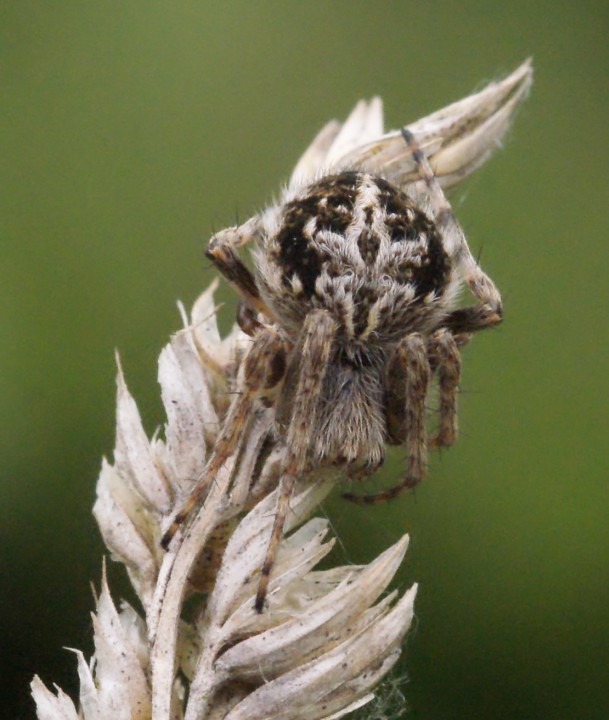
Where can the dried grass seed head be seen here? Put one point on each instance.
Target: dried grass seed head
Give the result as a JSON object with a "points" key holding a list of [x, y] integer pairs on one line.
{"points": [[364, 235]]}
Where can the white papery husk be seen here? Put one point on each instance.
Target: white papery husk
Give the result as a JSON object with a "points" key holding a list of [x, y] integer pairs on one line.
{"points": [[456, 139], [233, 660], [327, 637]]}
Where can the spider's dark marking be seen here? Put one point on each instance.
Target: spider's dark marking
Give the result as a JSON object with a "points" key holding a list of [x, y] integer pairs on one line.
{"points": [[417, 153], [366, 297], [232, 270], [433, 274], [356, 358], [296, 255], [368, 242], [405, 221], [329, 206], [427, 268], [330, 203], [277, 369], [246, 318]]}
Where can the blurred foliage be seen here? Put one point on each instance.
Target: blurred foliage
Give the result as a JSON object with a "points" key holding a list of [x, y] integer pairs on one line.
{"points": [[130, 130]]}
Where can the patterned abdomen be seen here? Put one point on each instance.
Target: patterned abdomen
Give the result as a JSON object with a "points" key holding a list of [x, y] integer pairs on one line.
{"points": [[356, 245]]}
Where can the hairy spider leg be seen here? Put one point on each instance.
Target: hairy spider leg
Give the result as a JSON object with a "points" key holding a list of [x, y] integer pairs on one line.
{"points": [[247, 318], [444, 359], [406, 409], [408, 371], [317, 337], [262, 370], [222, 251], [488, 311]]}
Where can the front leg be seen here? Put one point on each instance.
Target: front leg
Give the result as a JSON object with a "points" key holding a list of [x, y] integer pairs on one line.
{"points": [[222, 251], [318, 335]]}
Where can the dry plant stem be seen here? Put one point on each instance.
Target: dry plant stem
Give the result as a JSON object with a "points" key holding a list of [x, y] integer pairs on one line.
{"points": [[164, 640], [235, 662]]}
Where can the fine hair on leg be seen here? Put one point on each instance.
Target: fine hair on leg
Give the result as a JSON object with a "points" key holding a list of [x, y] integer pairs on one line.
{"points": [[222, 251], [488, 311], [317, 339], [262, 370], [445, 360]]}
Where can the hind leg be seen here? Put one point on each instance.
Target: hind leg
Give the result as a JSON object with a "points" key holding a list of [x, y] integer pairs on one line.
{"points": [[488, 311]]}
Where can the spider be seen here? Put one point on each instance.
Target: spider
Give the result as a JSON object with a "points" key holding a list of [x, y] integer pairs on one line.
{"points": [[352, 309]]}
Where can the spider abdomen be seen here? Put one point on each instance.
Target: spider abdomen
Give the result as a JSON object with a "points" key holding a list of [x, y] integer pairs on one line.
{"points": [[357, 246]]}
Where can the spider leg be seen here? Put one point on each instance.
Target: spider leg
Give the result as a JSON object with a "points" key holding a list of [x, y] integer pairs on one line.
{"points": [[317, 336], [408, 380], [488, 311], [444, 358], [222, 251], [262, 369], [247, 318]]}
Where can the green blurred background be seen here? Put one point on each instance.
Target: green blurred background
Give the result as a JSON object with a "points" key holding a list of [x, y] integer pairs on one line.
{"points": [[130, 130]]}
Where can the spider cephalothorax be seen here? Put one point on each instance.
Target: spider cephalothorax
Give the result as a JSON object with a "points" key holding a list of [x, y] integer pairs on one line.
{"points": [[352, 307]]}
